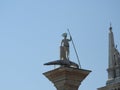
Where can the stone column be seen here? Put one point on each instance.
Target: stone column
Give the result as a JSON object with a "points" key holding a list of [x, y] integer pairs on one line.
{"points": [[67, 78]]}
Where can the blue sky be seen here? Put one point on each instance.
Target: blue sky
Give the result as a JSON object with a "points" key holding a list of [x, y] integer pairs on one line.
{"points": [[30, 35]]}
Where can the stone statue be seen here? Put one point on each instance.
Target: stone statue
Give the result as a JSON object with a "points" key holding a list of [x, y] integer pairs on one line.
{"points": [[116, 56], [64, 54], [64, 48]]}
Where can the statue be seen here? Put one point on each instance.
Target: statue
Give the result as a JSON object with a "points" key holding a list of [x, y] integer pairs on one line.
{"points": [[64, 54], [64, 48], [116, 56]]}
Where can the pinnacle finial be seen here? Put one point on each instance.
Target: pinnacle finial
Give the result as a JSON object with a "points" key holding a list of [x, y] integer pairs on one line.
{"points": [[110, 27]]}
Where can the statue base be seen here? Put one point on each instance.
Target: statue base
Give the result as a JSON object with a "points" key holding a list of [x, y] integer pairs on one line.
{"points": [[67, 78]]}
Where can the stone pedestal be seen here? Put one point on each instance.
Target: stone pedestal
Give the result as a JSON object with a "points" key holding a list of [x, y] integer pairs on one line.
{"points": [[66, 78]]}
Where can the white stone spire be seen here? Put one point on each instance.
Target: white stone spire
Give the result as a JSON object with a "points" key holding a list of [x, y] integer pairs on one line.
{"points": [[113, 82], [111, 48], [114, 61], [111, 72]]}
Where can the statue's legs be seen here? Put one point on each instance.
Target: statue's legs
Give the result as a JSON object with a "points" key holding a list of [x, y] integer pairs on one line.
{"points": [[67, 52], [62, 53]]}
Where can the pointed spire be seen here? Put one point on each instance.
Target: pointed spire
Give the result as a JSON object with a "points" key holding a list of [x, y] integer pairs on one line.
{"points": [[110, 69], [111, 47], [114, 60]]}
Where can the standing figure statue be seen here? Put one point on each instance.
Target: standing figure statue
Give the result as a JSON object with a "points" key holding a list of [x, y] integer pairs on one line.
{"points": [[64, 48]]}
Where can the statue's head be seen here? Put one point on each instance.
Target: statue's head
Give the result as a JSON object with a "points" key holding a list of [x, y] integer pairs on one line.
{"points": [[64, 34]]}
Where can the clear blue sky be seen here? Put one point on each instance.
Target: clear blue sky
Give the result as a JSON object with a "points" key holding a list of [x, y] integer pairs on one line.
{"points": [[30, 35]]}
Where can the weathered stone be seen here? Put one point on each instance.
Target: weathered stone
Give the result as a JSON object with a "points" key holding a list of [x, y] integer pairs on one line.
{"points": [[66, 78]]}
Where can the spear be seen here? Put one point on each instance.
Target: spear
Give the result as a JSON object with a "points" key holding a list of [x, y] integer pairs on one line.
{"points": [[74, 48]]}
